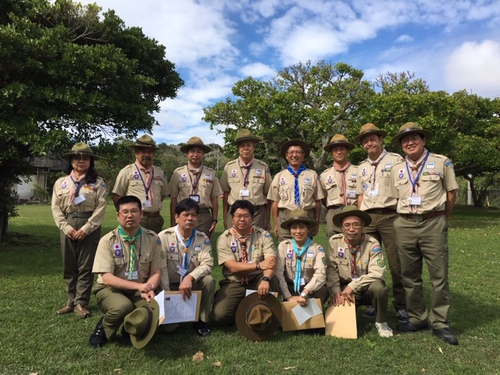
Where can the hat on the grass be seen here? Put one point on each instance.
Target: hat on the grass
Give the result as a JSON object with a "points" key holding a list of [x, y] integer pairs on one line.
{"points": [[81, 149], [141, 323], [339, 140], [244, 136], [258, 318], [299, 216], [195, 142], [410, 128], [351, 210], [145, 141], [295, 142], [368, 129]]}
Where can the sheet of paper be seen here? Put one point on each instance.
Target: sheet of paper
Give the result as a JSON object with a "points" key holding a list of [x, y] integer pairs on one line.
{"points": [[250, 291], [289, 321], [179, 311], [160, 298], [303, 314]]}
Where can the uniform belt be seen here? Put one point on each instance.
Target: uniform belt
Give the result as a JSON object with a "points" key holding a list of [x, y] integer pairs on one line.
{"points": [[151, 214], [381, 211], [80, 215], [335, 206], [205, 210], [421, 217]]}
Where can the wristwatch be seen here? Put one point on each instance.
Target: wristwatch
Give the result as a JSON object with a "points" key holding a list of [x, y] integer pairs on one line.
{"points": [[265, 278], [304, 295]]}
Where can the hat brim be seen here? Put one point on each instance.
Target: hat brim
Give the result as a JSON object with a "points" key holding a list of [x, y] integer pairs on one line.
{"points": [[379, 132], [251, 300], [337, 219], [397, 138], [141, 342], [185, 148], [299, 219], [295, 142], [143, 145], [70, 154], [246, 139], [329, 146]]}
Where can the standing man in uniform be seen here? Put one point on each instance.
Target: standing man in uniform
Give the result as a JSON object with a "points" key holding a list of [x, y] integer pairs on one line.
{"points": [[128, 264], [248, 259], [247, 178], [426, 189], [199, 183], [189, 261], [373, 187], [295, 187], [339, 181], [145, 181]]}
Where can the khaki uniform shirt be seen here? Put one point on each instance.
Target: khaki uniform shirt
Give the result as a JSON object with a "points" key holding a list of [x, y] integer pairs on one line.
{"points": [[370, 264], [331, 183], [233, 182], [313, 267], [181, 186], [95, 201], [199, 253], [259, 247], [377, 195], [113, 256], [283, 188], [129, 182], [436, 179]]}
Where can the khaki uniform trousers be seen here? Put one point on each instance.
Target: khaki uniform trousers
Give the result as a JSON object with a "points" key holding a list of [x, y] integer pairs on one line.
{"points": [[427, 240], [230, 294], [259, 217], [283, 215], [78, 259], [152, 221], [382, 228], [207, 286], [116, 305], [374, 294], [205, 221], [321, 293], [331, 228]]}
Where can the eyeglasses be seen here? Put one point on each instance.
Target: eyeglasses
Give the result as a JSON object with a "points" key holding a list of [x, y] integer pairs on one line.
{"points": [[186, 215], [295, 152], [246, 217], [353, 225], [129, 212], [413, 139]]}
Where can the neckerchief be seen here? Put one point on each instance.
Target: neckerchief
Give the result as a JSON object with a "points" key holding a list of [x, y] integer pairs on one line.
{"points": [[196, 172], [296, 190], [343, 183], [78, 182], [243, 242], [354, 250], [298, 264], [374, 164], [133, 256], [247, 167]]}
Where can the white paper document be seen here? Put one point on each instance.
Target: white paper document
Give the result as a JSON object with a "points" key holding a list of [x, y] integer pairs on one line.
{"points": [[303, 314], [177, 310], [251, 291], [160, 298]]}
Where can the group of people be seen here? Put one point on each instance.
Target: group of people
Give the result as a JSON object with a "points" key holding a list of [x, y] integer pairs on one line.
{"points": [[402, 203]]}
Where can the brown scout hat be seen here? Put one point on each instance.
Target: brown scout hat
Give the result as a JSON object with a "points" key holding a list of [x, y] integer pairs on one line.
{"points": [[245, 135], [410, 128], [195, 142], [338, 140], [258, 318], [145, 141], [142, 322], [81, 149], [369, 128], [351, 210], [299, 216], [295, 142]]}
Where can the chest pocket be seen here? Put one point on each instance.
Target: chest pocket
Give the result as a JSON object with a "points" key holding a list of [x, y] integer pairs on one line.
{"points": [[233, 180], [257, 255], [344, 268], [330, 185], [433, 178], [172, 258]]}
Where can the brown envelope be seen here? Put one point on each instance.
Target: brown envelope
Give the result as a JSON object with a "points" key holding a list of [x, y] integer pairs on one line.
{"points": [[341, 321], [289, 322]]}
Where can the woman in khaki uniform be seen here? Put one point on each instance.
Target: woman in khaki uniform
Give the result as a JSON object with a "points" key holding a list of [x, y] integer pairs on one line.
{"points": [[78, 207]]}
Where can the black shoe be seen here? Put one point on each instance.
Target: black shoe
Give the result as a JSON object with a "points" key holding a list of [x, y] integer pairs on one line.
{"points": [[402, 315], [202, 329], [124, 333], [408, 326], [370, 312], [446, 335], [98, 338]]}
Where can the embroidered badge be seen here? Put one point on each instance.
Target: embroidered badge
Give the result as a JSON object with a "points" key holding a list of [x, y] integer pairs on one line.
{"points": [[289, 253], [377, 249], [401, 173], [353, 177], [381, 263], [117, 248], [258, 172], [183, 177], [158, 242], [341, 252], [321, 248], [307, 180], [330, 179], [136, 175], [208, 178], [324, 261], [197, 248], [207, 241], [430, 165], [233, 173], [233, 246], [267, 235], [388, 167], [172, 247], [448, 163], [64, 185], [363, 172], [364, 186]]}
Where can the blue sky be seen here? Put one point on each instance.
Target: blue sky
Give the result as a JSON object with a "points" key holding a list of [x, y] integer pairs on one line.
{"points": [[452, 44]]}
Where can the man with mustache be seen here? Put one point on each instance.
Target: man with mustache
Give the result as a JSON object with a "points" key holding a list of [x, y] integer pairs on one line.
{"points": [[145, 181]]}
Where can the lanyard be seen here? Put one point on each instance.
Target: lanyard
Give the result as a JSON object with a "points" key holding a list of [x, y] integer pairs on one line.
{"points": [[146, 188], [414, 182]]}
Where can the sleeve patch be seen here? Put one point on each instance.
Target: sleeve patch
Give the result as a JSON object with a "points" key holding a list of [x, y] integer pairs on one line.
{"points": [[207, 241], [377, 249], [381, 263], [448, 163]]}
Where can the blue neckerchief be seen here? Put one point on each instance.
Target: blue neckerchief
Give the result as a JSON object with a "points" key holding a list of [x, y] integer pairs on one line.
{"points": [[186, 254], [298, 264], [296, 190]]}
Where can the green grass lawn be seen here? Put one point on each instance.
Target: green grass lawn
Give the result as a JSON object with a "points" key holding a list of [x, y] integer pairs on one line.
{"points": [[33, 339]]}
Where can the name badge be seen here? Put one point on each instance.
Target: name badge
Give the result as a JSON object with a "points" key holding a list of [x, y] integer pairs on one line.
{"points": [[79, 199], [195, 197], [310, 254], [181, 270], [373, 193], [414, 201], [244, 193], [351, 193], [302, 281], [147, 203], [135, 275]]}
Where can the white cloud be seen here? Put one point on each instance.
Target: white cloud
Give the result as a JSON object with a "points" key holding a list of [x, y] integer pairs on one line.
{"points": [[259, 71], [405, 38]]}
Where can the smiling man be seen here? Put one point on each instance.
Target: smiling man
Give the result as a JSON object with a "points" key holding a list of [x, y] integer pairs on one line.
{"points": [[145, 181], [426, 189]]}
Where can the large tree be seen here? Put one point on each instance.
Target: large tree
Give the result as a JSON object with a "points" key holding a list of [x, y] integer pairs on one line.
{"points": [[67, 74]]}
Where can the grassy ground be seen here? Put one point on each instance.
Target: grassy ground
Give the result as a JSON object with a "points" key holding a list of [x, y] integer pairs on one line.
{"points": [[34, 340]]}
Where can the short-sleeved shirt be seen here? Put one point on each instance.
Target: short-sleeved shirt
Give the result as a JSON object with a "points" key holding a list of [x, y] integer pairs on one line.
{"points": [[258, 178], [369, 267], [283, 190], [436, 179], [199, 255], [113, 256], [381, 185], [259, 248], [95, 202], [129, 182], [331, 183], [313, 265], [181, 185]]}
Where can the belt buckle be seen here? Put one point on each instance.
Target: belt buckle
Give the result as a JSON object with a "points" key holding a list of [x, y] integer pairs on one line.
{"points": [[418, 218]]}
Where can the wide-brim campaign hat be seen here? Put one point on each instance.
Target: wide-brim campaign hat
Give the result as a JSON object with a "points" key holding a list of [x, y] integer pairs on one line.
{"points": [[145, 141], [141, 323], [299, 216], [367, 129], [351, 210], [195, 142], [81, 149], [339, 140], [410, 128], [245, 135], [258, 318], [295, 142]]}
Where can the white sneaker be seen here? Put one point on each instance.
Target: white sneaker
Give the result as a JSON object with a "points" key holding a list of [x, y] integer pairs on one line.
{"points": [[383, 329]]}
